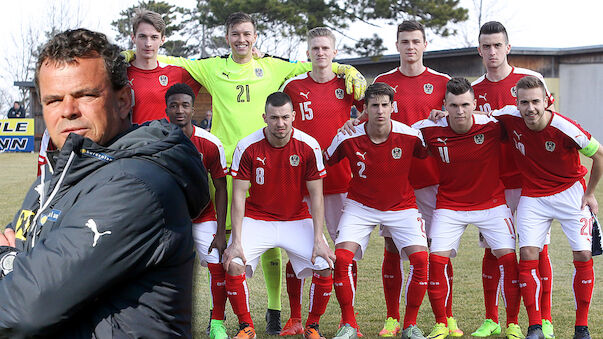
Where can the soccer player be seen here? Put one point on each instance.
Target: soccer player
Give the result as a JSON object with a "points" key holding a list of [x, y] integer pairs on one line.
{"points": [[148, 78], [274, 163], [239, 85], [209, 230], [380, 152], [418, 90], [495, 90], [467, 150], [319, 97], [546, 153]]}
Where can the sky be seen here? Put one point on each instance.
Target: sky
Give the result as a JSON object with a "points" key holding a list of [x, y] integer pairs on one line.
{"points": [[530, 23]]}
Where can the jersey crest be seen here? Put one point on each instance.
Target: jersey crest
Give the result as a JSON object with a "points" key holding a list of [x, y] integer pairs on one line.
{"points": [[163, 80], [550, 146], [259, 72], [339, 93], [294, 160], [514, 92], [396, 153], [478, 138], [428, 88]]}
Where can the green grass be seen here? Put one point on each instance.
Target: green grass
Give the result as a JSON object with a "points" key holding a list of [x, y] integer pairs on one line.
{"points": [[17, 171]]}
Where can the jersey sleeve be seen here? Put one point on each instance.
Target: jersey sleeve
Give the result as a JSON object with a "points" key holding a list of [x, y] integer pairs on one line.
{"points": [[315, 168], [188, 79], [215, 161], [241, 164], [334, 153], [420, 151], [288, 69], [197, 68]]}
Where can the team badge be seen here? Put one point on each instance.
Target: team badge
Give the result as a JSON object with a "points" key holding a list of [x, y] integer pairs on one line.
{"points": [[53, 215], [163, 80], [259, 72], [294, 160], [479, 139], [514, 92], [428, 88], [549, 145], [339, 93], [397, 153]]}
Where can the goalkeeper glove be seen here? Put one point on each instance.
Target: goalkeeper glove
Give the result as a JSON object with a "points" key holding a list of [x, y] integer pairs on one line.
{"points": [[354, 80]]}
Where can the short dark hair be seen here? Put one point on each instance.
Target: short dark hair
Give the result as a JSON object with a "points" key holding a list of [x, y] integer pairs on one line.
{"points": [[149, 17], [237, 18], [66, 47], [529, 82], [378, 89], [277, 99], [410, 26], [493, 27], [458, 86], [180, 88]]}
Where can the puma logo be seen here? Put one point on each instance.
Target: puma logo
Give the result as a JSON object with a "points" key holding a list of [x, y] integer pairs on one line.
{"points": [[483, 96], [362, 155], [226, 75], [396, 89], [263, 161], [517, 135], [442, 140], [92, 226], [305, 94]]}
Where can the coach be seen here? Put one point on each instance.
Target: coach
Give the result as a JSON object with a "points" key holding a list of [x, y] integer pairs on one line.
{"points": [[104, 246]]}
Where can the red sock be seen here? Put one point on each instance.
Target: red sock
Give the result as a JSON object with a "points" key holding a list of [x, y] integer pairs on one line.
{"points": [[295, 287], [391, 275], [415, 287], [218, 290], [530, 287], [546, 277], [491, 283], [584, 281], [236, 288], [320, 293], [510, 281], [355, 273], [344, 289], [438, 286], [450, 274]]}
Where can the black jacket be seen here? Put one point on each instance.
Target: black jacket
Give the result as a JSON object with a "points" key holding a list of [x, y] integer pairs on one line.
{"points": [[110, 253]]}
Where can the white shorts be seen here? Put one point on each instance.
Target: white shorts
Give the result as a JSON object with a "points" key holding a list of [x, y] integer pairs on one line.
{"points": [[426, 203], [296, 237], [333, 211], [496, 225], [406, 227], [535, 214], [203, 234]]}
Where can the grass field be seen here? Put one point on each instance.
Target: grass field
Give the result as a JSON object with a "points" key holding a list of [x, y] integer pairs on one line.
{"points": [[17, 171]]}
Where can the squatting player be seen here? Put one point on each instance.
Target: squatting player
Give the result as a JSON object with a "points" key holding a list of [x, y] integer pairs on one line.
{"points": [[209, 230], [322, 106], [380, 153], [546, 152], [495, 90], [274, 163], [467, 149]]}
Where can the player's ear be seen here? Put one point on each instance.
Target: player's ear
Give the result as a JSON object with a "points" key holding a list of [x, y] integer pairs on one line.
{"points": [[124, 101], [264, 117], [508, 48]]}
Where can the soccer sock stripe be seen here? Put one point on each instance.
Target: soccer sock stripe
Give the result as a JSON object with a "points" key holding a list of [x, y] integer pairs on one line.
{"points": [[238, 294], [450, 276], [391, 276], [438, 286], [344, 289], [509, 277], [218, 290], [319, 298], [416, 287], [491, 284], [530, 289]]}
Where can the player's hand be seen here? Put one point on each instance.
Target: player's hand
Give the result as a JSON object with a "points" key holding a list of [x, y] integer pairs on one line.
{"points": [[218, 243], [348, 127], [436, 114], [354, 80], [590, 201], [129, 55], [256, 53], [321, 249], [235, 250], [8, 237]]}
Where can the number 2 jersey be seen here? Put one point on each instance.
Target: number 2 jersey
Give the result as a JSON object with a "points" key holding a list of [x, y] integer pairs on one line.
{"points": [[380, 171], [321, 109], [277, 174]]}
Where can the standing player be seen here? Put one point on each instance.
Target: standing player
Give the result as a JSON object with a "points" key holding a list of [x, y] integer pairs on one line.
{"points": [[381, 153], [546, 152], [495, 90], [209, 231], [467, 150], [319, 97], [239, 85], [277, 161], [148, 78]]}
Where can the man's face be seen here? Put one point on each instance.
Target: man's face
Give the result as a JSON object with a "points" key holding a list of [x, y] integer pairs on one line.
{"points": [[460, 110], [241, 37], [16, 105], [531, 103], [78, 98], [279, 120], [493, 48], [411, 46], [147, 40], [321, 51], [379, 109], [179, 109]]}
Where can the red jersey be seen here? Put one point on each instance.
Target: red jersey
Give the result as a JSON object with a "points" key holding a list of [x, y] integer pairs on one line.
{"points": [[277, 174], [380, 177], [468, 163], [496, 95], [321, 109], [414, 99], [149, 88], [212, 154], [548, 160]]}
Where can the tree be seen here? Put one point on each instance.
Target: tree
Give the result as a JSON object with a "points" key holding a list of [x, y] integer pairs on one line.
{"points": [[367, 47]]}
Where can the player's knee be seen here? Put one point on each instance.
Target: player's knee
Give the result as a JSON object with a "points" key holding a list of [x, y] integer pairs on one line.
{"points": [[582, 255], [502, 252], [528, 253], [235, 269], [324, 273]]}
